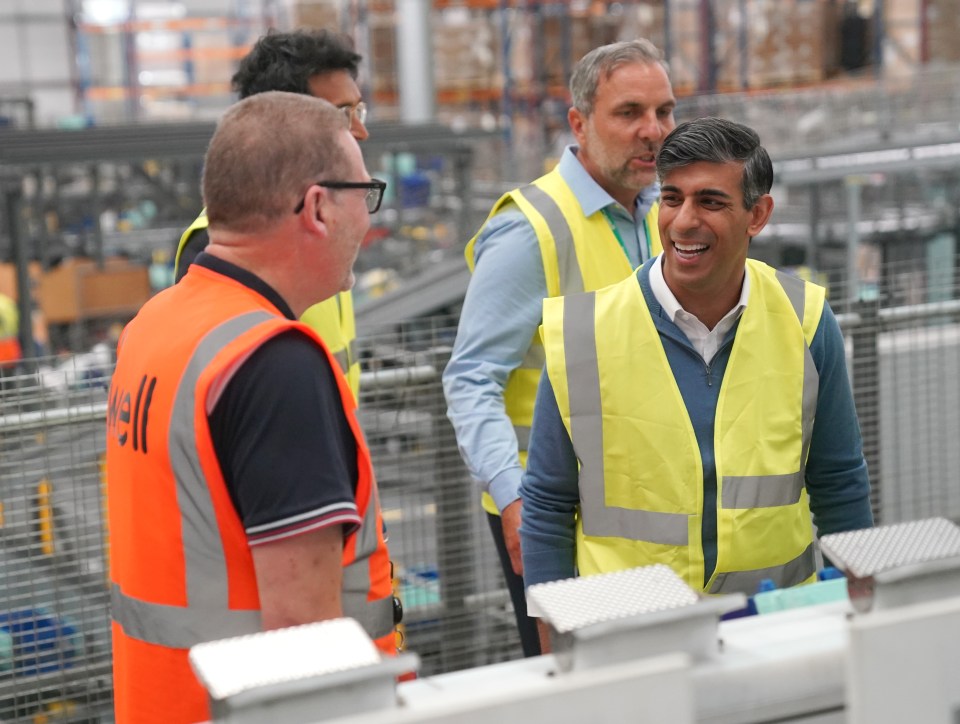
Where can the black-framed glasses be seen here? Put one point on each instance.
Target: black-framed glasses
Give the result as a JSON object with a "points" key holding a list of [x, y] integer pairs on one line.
{"points": [[358, 111], [373, 198]]}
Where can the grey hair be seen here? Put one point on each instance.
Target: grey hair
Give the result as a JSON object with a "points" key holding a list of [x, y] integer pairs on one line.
{"points": [[602, 61], [717, 140]]}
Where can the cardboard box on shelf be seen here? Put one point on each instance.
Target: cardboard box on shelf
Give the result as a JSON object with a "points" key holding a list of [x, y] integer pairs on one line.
{"points": [[786, 44], [943, 23], [8, 277], [316, 14], [79, 289]]}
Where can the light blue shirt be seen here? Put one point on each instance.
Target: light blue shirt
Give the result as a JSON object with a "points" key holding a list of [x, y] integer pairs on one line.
{"points": [[501, 313]]}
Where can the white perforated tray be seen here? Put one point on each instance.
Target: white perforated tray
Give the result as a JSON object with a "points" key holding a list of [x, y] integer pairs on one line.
{"points": [[232, 666], [574, 603], [865, 553]]}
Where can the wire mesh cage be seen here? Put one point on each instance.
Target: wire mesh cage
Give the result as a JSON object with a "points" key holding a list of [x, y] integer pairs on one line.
{"points": [[456, 607], [903, 356], [54, 601]]}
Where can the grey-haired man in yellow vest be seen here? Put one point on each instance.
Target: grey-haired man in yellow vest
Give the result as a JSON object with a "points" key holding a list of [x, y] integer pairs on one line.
{"points": [[586, 224]]}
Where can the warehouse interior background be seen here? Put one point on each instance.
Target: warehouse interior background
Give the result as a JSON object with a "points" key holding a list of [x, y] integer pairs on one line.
{"points": [[106, 107]]}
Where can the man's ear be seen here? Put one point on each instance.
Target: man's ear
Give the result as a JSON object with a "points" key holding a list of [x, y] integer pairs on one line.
{"points": [[316, 207], [760, 215], [577, 121]]}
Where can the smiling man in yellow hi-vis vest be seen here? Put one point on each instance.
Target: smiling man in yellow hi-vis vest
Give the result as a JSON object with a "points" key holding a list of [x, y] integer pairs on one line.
{"points": [[695, 413], [321, 64], [586, 224]]}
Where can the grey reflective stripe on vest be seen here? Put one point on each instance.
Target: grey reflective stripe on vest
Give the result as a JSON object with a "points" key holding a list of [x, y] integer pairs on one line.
{"points": [[568, 270], [174, 626], [770, 491], [376, 617], [583, 388], [207, 616], [790, 574], [571, 279], [534, 359], [345, 357], [523, 437]]}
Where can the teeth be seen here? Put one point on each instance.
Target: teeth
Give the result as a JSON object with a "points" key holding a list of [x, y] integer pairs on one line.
{"points": [[690, 247]]}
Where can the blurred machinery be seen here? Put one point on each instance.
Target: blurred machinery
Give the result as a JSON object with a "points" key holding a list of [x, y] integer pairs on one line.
{"points": [[641, 645]]}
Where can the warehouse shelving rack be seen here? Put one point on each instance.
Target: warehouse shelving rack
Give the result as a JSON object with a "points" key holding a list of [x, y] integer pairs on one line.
{"points": [[183, 61]]}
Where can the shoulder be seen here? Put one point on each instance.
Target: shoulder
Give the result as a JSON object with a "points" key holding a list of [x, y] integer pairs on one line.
{"points": [[293, 352]]}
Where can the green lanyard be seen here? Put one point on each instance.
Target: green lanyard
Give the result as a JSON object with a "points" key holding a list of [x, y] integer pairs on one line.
{"points": [[616, 233]]}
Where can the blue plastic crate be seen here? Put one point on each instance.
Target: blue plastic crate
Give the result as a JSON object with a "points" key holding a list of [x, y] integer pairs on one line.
{"points": [[40, 642]]}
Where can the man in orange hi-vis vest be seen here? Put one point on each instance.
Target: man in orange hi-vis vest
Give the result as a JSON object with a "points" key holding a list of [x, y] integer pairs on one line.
{"points": [[240, 490]]}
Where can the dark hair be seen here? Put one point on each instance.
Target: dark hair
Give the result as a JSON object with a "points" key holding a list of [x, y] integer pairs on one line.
{"points": [[287, 61], [717, 140]]}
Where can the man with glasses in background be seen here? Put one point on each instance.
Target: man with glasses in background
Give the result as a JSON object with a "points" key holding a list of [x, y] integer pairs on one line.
{"points": [[321, 64], [241, 495]]}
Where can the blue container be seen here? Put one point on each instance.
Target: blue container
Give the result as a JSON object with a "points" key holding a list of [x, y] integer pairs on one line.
{"points": [[41, 643], [414, 191]]}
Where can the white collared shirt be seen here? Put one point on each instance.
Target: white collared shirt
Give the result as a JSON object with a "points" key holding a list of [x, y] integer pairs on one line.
{"points": [[705, 341]]}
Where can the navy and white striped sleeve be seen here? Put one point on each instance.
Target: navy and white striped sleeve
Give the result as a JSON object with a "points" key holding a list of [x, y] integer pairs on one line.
{"points": [[286, 450]]}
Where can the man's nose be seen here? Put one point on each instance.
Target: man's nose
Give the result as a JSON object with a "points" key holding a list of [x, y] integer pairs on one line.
{"points": [[357, 129], [649, 127], [686, 217]]}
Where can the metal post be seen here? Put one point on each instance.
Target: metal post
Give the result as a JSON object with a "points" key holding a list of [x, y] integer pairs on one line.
{"points": [[866, 386], [539, 94], [462, 164], [506, 103], [853, 187], [96, 209], [415, 61], [566, 45], [708, 67], [924, 32], [12, 197], [879, 31], [455, 557], [667, 44], [813, 243], [743, 37]]}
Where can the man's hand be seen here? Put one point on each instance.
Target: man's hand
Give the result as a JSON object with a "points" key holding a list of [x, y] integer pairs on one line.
{"points": [[510, 520], [544, 632]]}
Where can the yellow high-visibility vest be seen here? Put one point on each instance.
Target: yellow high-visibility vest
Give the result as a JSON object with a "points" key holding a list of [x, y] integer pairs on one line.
{"points": [[579, 254], [641, 476]]}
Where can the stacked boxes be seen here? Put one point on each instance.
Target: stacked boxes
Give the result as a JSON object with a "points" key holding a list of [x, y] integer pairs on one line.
{"points": [[906, 45], [943, 21], [902, 47], [786, 43], [465, 54], [316, 14]]}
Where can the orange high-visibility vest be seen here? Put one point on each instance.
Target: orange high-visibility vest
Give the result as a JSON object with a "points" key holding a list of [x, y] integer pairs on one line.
{"points": [[181, 569]]}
